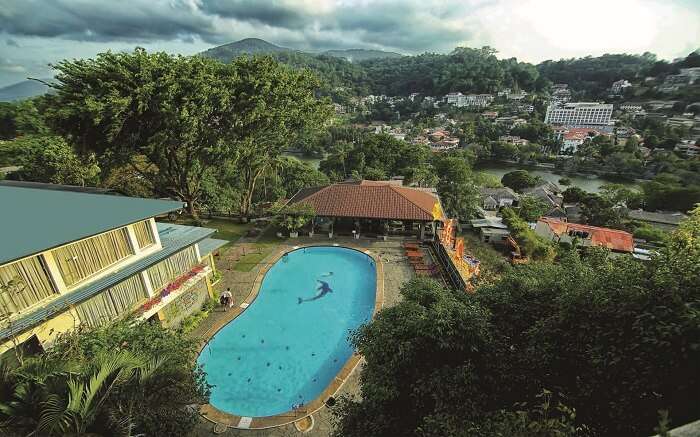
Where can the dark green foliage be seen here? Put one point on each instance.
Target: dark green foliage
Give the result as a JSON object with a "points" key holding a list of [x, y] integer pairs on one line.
{"points": [[379, 155], [574, 195], [530, 208], [185, 115], [670, 193], [519, 180], [161, 406], [531, 244], [594, 75], [50, 159], [458, 192], [617, 338]]}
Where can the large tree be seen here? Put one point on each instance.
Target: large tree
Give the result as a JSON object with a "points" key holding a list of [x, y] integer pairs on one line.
{"points": [[185, 115]]}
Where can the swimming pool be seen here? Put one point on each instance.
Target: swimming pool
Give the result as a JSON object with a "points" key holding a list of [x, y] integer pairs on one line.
{"points": [[290, 343]]}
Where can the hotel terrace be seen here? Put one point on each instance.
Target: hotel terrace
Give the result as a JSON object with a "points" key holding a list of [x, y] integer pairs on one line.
{"points": [[71, 257]]}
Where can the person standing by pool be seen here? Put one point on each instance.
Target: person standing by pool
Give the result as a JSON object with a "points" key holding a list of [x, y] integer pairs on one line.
{"points": [[226, 299]]}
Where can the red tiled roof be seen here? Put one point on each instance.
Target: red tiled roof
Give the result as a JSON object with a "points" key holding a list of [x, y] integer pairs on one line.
{"points": [[369, 199], [612, 239]]}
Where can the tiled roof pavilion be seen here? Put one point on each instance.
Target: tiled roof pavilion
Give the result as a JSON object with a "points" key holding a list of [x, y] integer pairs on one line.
{"points": [[370, 200]]}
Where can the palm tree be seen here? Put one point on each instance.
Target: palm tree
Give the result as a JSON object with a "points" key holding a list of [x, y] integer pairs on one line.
{"points": [[47, 397]]}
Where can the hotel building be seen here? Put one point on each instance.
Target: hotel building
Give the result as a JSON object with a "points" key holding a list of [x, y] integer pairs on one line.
{"points": [[579, 114], [71, 257]]}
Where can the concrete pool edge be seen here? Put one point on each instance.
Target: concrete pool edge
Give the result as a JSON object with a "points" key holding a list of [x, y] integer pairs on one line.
{"points": [[214, 415]]}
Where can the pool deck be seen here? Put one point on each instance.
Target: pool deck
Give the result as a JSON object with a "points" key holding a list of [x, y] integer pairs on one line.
{"points": [[389, 253]]}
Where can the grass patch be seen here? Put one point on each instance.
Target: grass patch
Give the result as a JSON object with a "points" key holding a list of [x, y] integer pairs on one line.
{"points": [[493, 262], [251, 259], [229, 230]]}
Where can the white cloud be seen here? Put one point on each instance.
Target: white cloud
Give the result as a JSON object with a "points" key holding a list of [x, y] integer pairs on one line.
{"points": [[534, 30]]}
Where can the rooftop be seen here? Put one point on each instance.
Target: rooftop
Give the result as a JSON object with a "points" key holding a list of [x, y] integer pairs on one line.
{"points": [[671, 218], [369, 199], [40, 217], [612, 239]]}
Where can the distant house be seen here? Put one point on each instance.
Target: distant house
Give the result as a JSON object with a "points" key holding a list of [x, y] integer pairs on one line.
{"points": [[491, 230], [688, 148], [511, 139], [618, 87], [548, 192], [556, 213], [573, 138], [584, 235], [663, 220], [494, 198]]}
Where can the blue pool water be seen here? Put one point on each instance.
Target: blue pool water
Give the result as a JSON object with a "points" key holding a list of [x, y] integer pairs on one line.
{"points": [[279, 352]]}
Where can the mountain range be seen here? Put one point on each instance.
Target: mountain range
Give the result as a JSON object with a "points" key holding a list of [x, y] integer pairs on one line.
{"points": [[224, 53], [254, 46], [23, 90]]}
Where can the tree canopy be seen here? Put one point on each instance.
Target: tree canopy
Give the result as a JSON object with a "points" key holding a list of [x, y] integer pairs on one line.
{"points": [[185, 115], [613, 340]]}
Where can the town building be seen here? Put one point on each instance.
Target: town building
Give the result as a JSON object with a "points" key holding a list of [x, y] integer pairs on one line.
{"points": [[491, 230], [471, 100], [579, 114], [560, 94], [573, 138], [516, 96], [495, 198], [681, 121], [688, 147], [584, 235], [513, 139], [631, 107], [661, 219], [548, 192], [71, 257], [618, 87], [674, 82]]}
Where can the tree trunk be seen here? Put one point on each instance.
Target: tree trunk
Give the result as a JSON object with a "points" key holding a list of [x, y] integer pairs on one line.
{"points": [[191, 210]]}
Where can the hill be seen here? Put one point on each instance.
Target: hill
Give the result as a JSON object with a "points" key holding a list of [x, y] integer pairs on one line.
{"points": [[23, 90], [359, 55], [248, 46]]}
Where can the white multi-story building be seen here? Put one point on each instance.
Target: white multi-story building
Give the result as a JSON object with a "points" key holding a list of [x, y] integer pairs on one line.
{"points": [[618, 87], [630, 107], [471, 100], [579, 114]]}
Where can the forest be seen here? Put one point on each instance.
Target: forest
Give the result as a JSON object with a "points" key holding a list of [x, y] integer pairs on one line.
{"points": [[471, 70]]}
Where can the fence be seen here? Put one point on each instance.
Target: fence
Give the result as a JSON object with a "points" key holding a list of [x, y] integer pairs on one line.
{"points": [[451, 273]]}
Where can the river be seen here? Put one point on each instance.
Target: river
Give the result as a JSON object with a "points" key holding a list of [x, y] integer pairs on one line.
{"points": [[591, 184]]}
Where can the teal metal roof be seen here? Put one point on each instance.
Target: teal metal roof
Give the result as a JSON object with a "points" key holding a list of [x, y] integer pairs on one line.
{"points": [[209, 245], [35, 219], [173, 238]]}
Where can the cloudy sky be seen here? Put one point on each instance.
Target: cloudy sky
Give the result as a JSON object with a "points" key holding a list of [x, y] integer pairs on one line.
{"points": [[34, 33]]}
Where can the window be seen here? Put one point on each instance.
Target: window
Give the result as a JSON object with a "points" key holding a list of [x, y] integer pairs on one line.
{"points": [[82, 259], [23, 283], [168, 269], [144, 234], [112, 303]]}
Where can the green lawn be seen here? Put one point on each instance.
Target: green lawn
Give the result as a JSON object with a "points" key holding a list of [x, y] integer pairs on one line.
{"points": [[248, 261], [230, 230]]}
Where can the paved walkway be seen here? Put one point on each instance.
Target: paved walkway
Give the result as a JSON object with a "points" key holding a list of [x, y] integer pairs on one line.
{"points": [[396, 272]]}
